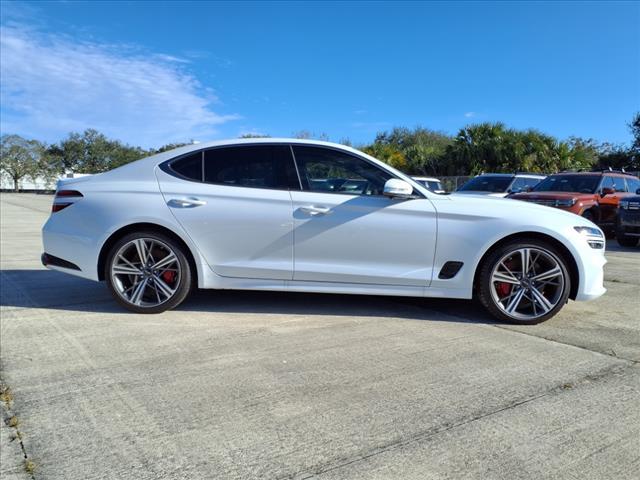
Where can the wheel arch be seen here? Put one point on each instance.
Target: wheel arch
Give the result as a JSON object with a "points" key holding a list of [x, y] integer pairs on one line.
{"points": [[594, 208], [527, 236], [144, 226]]}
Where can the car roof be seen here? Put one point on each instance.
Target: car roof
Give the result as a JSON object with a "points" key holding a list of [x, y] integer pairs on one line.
{"points": [[531, 175], [596, 174], [426, 179]]}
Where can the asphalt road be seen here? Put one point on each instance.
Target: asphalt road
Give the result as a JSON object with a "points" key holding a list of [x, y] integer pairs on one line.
{"points": [[244, 385]]}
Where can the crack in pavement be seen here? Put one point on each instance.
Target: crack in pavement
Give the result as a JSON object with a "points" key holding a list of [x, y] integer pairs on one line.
{"points": [[435, 431], [7, 415]]}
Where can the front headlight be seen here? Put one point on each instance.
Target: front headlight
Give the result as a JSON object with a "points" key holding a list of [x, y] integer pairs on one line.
{"points": [[593, 236], [624, 204], [570, 202]]}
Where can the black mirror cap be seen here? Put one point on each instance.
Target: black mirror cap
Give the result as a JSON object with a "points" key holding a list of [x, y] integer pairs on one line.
{"points": [[607, 191]]}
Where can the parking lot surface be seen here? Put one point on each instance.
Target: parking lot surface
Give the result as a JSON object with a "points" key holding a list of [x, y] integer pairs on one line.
{"points": [[279, 385]]}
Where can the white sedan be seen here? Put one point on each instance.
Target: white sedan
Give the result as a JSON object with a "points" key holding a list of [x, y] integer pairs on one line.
{"points": [[307, 216]]}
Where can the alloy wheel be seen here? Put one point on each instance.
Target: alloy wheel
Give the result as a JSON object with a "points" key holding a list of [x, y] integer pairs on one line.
{"points": [[145, 272], [527, 283]]}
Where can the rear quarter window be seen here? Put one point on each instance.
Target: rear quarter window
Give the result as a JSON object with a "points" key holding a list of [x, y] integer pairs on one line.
{"points": [[189, 167]]}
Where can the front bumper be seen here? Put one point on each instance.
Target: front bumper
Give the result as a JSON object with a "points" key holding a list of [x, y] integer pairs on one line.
{"points": [[629, 222]]}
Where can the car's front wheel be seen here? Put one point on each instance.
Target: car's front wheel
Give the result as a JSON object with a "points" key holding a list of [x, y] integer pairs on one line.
{"points": [[524, 282], [148, 272], [626, 240]]}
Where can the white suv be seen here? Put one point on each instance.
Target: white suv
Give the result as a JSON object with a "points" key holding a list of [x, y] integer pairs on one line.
{"points": [[500, 184]]}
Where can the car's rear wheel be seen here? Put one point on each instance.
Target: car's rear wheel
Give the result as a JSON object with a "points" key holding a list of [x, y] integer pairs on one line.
{"points": [[148, 272], [524, 282]]}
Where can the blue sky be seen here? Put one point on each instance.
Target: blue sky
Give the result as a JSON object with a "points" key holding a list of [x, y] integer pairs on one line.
{"points": [[150, 73]]}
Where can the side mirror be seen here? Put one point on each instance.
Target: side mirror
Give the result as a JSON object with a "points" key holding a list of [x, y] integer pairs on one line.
{"points": [[528, 188], [397, 188], [607, 191]]}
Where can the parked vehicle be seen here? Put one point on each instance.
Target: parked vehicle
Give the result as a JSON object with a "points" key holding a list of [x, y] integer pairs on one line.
{"points": [[252, 215], [592, 195], [431, 183], [628, 224], [500, 184]]}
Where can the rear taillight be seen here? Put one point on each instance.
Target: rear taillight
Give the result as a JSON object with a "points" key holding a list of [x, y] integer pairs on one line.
{"points": [[64, 198]]}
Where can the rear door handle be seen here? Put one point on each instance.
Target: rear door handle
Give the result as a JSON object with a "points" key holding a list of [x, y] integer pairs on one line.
{"points": [[315, 210], [186, 202]]}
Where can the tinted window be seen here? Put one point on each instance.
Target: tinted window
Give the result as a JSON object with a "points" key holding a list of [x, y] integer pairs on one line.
{"points": [[487, 183], [332, 171], [633, 184], [433, 185], [189, 167], [256, 166], [524, 183], [569, 183]]}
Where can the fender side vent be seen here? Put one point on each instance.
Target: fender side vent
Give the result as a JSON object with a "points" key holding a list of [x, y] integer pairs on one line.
{"points": [[449, 270], [48, 259]]}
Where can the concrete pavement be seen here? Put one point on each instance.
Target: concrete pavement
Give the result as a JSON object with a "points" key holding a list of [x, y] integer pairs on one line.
{"points": [[274, 385]]}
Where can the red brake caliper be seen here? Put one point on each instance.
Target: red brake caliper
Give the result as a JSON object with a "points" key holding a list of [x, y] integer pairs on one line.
{"points": [[503, 289], [169, 277]]}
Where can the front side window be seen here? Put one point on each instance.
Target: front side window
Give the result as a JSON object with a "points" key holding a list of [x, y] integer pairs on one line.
{"points": [[332, 171], [255, 166], [608, 182]]}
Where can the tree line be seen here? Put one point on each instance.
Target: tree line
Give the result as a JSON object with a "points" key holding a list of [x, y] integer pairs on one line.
{"points": [[477, 148]]}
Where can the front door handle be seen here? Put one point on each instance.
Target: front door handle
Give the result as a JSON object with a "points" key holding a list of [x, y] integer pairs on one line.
{"points": [[186, 202], [315, 210]]}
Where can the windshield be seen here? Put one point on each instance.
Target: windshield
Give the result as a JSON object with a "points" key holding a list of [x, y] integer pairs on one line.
{"points": [[487, 184], [430, 184], [569, 183]]}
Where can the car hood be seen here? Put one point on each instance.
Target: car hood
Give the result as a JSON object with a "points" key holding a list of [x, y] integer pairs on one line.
{"points": [[549, 195], [520, 213], [479, 193]]}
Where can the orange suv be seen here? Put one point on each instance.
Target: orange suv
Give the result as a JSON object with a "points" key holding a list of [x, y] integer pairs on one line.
{"points": [[593, 195]]}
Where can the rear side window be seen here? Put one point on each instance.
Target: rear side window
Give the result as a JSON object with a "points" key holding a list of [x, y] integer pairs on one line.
{"points": [[255, 166], [189, 167]]}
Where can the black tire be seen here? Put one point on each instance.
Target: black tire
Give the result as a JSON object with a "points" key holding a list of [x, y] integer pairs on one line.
{"points": [[625, 240], [484, 285], [182, 288]]}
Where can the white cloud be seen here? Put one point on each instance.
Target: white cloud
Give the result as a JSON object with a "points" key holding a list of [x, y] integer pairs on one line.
{"points": [[470, 114], [51, 85]]}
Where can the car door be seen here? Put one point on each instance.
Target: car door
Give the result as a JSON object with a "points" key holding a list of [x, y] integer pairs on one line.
{"points": [[347, 231], [234, 203], [609, 203]]}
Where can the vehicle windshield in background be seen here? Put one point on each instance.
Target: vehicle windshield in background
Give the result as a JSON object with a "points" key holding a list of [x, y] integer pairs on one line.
{"points": [[568, 183], [487, 184], [433, 185]]}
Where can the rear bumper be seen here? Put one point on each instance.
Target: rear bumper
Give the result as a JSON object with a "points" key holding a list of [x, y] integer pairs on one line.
{"points": [[73, 254]]}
